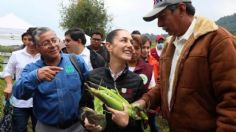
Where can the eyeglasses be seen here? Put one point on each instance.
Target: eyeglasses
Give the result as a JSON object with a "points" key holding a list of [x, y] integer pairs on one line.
{"points": [[47, 43]]}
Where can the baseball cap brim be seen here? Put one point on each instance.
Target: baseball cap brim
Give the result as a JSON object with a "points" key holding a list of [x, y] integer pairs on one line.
{"points": [[152, 14]]}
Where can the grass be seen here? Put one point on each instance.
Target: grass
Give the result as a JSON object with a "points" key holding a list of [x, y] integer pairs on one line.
{"points": [[2, 84], [162, 124]]}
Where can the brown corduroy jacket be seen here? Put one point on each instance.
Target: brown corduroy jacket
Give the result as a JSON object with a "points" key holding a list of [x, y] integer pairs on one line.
{"points": [[204, 88]]}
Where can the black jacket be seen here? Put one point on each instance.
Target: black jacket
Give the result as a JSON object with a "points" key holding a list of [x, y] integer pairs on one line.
{"points": [[130, 86], [96, 59], [101, 51]]}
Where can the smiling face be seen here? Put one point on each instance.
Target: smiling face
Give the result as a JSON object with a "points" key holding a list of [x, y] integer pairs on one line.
{"points": [[137, 52], [71, 45], [48, 45], [121, 47], [146, 49], [27, 40], [137, 44]]}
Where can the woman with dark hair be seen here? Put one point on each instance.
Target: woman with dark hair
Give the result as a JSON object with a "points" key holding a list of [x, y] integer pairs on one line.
{"points": [[146, 44], [117, 76], [145, 71]]}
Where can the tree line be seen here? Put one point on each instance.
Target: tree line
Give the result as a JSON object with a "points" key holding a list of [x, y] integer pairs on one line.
{"points": [[228, 22]]}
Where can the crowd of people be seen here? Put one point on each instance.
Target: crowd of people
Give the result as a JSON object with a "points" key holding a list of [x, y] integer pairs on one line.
{"points": [[188, 78]]}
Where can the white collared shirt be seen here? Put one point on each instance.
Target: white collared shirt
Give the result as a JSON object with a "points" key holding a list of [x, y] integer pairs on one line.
{"points": [[158, 51], [115, 76], [179, 44], [85, 54], [18, 60]]}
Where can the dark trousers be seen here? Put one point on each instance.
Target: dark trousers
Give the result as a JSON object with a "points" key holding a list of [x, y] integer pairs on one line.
{"points": [[77, 127], [152, 122], [21, 117]]}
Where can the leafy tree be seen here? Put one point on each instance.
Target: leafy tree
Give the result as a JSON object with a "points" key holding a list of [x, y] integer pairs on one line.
{"points": [[90, 15]]}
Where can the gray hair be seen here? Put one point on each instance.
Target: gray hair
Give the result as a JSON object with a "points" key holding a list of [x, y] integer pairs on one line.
{"points": [[39, 31]]}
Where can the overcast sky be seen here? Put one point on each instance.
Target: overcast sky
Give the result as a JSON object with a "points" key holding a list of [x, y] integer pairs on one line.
{"points": [[126, 14]]}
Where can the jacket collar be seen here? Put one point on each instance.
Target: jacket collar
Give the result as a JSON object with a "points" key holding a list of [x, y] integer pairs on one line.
{"points": [[201, 27], [124, 72]]}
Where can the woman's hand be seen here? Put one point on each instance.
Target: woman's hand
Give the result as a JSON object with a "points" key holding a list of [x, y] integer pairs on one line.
{"points": [[121, 118]]}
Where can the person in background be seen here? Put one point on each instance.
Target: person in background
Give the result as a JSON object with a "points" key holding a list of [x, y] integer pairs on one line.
{"points": [[139, 66], [156, 52], [63, 46], [146, 44], [117, 76], [197, 87], [75, 43], [145, 71], [19, 59], [146, 56], [159, 43], [97, 46], [49, 81], [136, 32], [24, 39]]}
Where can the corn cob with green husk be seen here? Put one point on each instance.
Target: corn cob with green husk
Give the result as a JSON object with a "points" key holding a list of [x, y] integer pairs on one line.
{"points": [[111, 92], [113, 99]]}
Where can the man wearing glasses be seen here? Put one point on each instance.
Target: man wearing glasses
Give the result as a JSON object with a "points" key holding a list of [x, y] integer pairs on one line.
{"points": [[97, 46], [54, 84]]}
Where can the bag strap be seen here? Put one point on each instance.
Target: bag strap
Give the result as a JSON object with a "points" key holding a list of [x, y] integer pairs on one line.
{"points": [[96, 59], [76, 64]]}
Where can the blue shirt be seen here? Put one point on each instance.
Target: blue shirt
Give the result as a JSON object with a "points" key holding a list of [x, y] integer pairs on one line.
{"points": [[56, 101]]}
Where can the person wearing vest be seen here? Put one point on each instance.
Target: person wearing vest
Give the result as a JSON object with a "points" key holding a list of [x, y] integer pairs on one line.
{"points": [[146, 43], [139, 66], [145, 71]]}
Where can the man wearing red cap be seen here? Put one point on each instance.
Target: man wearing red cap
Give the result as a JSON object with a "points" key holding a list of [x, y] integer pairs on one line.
{"points": [[156, 52], [197, 90]]}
